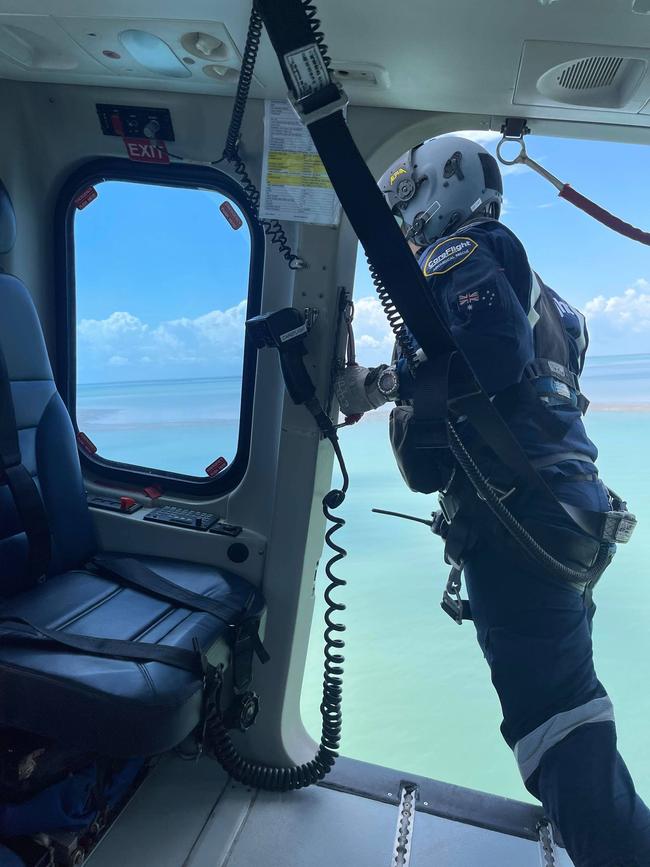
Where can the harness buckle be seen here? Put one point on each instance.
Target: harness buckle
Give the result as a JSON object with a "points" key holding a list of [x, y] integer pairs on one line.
{"points": [[457, 608], [453, 607], [618, 526], [310, 115], [448, 506]]}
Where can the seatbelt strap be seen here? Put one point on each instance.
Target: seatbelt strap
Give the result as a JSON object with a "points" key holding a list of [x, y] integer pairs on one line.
{"points": [[25, 493], [560, 457], [21, 629], [129, 571], [320, 103]]}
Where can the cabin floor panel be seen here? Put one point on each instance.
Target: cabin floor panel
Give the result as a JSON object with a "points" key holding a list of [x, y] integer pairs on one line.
{"points": [[187, 814]]}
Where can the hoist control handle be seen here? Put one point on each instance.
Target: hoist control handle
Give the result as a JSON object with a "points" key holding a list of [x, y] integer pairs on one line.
{"points": [[285, 330]]}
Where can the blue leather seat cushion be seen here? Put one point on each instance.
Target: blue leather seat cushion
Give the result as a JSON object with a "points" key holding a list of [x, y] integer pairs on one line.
{"points": [[114, 707]]}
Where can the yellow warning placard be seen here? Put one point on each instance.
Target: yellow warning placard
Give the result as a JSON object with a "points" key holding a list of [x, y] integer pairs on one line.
{"points": [[295, 184]]}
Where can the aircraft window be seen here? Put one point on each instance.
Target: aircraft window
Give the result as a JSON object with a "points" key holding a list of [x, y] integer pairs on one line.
{"points": [[417, 691], [162, 277]]}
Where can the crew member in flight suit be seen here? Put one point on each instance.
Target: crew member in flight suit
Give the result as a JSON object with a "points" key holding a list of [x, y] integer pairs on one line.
{"points": [[527, 347]]}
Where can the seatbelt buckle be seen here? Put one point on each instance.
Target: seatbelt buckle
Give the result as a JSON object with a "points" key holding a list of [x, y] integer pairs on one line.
{"points": [[618, 526], [308, 115], [247, 643], [453, 607], [448, 506]]}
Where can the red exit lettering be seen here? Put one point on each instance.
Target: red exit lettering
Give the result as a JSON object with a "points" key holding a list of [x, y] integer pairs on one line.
{"points": [[143, 150]]}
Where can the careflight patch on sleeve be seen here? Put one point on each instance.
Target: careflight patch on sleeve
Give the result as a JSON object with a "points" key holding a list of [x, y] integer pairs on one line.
{"points": [[447, 255]]}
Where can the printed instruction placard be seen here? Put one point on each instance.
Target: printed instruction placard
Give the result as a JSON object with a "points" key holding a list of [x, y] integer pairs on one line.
{"points": [[295, 185]]}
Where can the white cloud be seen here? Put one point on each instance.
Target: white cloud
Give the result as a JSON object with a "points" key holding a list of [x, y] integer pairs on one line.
{"points": [[113, 327], [517, 169], [210, 342], [374, 338], [481, 136], [629, 311]]}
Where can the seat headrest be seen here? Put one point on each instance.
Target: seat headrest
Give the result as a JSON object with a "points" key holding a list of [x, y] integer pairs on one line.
{"points": [[7, 222]]}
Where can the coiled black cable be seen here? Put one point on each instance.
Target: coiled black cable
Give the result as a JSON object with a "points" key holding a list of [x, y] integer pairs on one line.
{"points": [[519, 533], [273, 229], [282, 779], [314, 22], [395, 320]]}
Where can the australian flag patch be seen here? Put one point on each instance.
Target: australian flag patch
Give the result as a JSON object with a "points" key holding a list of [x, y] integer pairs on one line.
{"points": [[447, 254], [476, 298]]}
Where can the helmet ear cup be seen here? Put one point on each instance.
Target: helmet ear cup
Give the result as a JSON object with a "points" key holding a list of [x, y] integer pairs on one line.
{"points": [[405, 189]]}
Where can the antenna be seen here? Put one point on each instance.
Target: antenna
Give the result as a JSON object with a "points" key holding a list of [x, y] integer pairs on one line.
{"points": [[402, 515]]}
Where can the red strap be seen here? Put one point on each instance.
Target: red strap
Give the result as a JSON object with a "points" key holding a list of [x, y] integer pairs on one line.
{"points": [[603, 216]]}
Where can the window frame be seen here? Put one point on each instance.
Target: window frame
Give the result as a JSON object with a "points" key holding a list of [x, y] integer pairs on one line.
{"points": [[173, 175]]}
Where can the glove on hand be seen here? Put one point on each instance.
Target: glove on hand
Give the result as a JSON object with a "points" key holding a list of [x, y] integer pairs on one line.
{"points": [[356, 389]]}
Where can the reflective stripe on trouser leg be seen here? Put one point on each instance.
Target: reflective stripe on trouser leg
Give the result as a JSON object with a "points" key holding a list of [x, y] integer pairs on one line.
{"points": [[530, 749]]}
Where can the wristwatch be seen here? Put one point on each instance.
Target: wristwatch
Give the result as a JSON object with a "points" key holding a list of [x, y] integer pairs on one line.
{"points": [[388, 383]]}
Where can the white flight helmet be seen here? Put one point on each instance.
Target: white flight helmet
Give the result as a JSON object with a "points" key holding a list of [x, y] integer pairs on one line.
{"points": [[440, 185]]}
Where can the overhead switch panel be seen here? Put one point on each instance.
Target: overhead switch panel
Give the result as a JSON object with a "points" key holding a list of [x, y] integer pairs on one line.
{"points": [[135, 121]]}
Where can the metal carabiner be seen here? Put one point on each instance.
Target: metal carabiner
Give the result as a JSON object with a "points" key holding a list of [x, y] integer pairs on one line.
{"points": [[523, 158]]}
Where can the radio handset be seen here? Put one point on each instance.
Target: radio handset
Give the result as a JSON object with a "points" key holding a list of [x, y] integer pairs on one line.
{"points": [[285, 330]]}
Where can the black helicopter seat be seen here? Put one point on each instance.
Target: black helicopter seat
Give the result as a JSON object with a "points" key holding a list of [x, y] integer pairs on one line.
{"points": [[111, 705]]}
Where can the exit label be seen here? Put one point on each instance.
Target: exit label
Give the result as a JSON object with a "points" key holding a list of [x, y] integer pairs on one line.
{"points": [[143, 150]]}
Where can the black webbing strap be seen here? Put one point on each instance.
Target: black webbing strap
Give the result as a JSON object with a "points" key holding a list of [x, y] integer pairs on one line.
{"points": [[127, 570], [19, 629], [24, 491], [246, 642], [296, 44]]}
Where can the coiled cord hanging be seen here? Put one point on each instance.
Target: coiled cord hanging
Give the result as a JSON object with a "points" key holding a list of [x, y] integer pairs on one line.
{"points": [[314, 22], [273, 229], [395, 320], [512, 525], [282, 779]]}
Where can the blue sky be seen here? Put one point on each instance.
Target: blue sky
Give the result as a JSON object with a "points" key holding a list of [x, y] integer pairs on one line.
{"points": [[161, 285], [162, 277]]}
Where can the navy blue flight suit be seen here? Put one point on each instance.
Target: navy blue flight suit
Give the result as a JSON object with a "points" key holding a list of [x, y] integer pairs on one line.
{"points": [[534, 630]]}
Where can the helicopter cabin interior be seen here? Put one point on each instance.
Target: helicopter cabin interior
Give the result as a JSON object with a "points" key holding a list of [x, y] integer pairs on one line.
{"points": [[205, 573]]}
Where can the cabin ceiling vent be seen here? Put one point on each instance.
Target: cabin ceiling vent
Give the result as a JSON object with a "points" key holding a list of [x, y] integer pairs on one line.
{"points": [[583, 76], [607, 81]]}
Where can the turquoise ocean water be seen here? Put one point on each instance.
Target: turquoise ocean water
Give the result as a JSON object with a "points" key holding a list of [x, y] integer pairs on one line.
{"points": [[417, 691]]}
